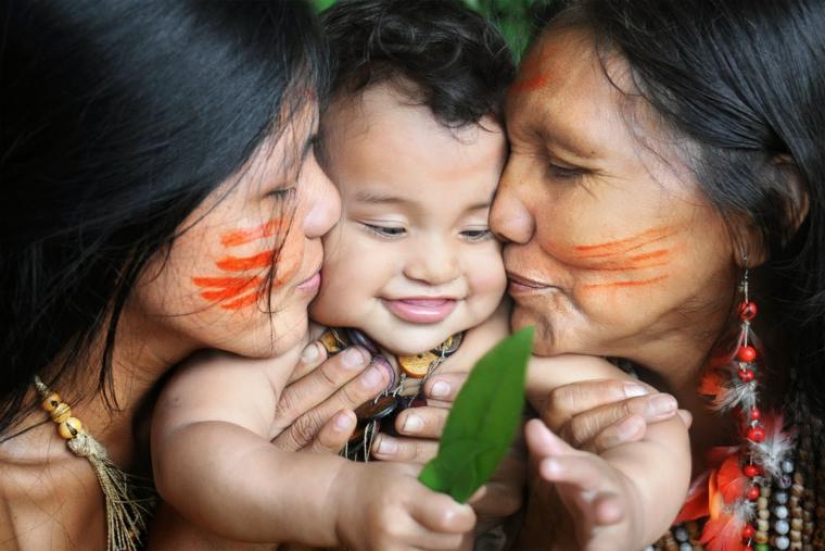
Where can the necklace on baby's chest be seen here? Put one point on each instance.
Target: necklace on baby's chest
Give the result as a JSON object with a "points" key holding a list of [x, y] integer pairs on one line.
{"points": [[402, 392]]}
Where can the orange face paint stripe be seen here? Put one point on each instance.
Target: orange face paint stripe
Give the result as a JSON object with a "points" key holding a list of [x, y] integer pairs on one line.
{"points": [[226, 288], [243, 263], [638, 262], [626, 283], [647, 256], [242, 302], [627, 268], [227, 282], [242, 237], [628, 244]]}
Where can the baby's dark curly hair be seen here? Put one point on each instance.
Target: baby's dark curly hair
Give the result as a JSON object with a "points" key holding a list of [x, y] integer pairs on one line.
{"points": [[457, 61]]}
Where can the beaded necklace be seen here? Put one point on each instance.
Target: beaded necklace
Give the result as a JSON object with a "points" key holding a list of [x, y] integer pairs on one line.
{"points": [[129, 500], [788, 513], [402, 391]]}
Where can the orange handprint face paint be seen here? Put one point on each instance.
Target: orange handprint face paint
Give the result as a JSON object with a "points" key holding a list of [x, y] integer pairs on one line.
{"points": [[243, 279], [611, 249]]}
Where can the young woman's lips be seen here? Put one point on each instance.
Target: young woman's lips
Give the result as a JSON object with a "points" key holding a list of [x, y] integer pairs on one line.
{"points": [[311, 284], [421, 310]]}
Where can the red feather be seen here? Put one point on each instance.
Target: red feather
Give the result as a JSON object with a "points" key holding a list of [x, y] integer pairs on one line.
{"points": [[713, 383], [730, 480], [724, 533], [696, 504]]}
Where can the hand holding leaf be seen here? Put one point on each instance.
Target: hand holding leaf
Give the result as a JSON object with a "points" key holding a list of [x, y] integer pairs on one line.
{"points": [[483, 420]]}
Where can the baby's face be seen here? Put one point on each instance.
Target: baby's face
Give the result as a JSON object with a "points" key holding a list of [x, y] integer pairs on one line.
{"points": [[412, 260]]}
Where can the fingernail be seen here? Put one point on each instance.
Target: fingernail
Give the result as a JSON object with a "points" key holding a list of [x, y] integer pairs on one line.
{"points": [[311, 354], [440, 389], [632, 390], [373, 377], [626, 432], [413, 424], [661, 404], [382, 363], [353, 357], [386, 447], [342, 422]]}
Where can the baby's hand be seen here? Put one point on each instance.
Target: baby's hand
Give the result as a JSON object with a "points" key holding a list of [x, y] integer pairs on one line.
{"points": [[598, 497], [383, 507]]}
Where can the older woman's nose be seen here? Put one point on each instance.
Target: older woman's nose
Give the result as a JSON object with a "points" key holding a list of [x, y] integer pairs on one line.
{"points": [[510, 219]]}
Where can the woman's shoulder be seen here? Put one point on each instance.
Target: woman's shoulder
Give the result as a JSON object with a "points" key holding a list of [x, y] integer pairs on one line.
{"points": [[49, 498]]}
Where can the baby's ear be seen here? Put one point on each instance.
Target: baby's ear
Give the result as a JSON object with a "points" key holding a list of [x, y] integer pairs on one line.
{"points": [[750, 243]]}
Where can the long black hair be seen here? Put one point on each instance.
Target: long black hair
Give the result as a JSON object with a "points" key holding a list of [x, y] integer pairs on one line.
{"points": [[117, 119], [744, 80]]}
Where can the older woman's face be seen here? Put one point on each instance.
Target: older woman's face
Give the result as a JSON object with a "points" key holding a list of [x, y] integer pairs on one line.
{"points": [[611, 249]]}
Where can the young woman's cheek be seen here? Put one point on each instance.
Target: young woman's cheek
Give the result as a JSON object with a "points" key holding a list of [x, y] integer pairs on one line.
{"points": [[238, 278]]}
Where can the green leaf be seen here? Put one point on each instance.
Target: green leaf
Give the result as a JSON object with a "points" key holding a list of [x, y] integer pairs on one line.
{"points": [[483, 420]]}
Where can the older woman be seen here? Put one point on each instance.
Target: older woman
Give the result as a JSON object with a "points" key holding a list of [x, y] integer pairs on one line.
{"points": [[661, 206]]}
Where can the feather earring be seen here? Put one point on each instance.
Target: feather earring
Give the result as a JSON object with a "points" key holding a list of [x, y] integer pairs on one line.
{"points": [[738, 480]]}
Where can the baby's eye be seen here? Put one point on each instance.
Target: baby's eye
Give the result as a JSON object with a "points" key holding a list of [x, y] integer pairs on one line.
{"points": [[386, 231], [477, 234]]}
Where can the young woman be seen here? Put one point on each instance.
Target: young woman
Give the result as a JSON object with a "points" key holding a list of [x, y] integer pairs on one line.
{"points": [[159, 195]]}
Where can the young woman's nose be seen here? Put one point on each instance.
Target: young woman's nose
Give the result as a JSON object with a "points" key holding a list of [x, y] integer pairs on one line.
{"points": [[324, 201]]}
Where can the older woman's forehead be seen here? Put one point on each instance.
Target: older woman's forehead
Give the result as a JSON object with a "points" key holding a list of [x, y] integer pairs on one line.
{"points": [[563, 93]]}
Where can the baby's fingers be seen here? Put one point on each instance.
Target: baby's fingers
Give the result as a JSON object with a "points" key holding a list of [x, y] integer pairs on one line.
{"points": [[445, 515], [443, 523]]}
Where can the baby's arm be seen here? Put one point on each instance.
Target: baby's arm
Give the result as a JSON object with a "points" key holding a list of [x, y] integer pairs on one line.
{"points": [[630, 493], [213, 461]]}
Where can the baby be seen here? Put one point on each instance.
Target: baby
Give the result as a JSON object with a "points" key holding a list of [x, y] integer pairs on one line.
{"points": [[414, 142]]}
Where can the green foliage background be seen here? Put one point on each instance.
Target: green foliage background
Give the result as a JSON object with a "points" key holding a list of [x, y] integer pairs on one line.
{"points": [[515, 18]]}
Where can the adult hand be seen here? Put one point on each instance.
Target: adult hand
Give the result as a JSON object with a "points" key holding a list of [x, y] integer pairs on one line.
{"points": [[315, 409], [597, 415], [421, 427]]}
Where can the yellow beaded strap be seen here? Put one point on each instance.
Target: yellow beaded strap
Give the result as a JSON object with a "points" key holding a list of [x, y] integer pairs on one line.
{"points": [[126, 514]]}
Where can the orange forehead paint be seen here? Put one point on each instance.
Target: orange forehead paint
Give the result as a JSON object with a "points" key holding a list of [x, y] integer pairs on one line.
{"points": [[239, 290], [531, 77]]}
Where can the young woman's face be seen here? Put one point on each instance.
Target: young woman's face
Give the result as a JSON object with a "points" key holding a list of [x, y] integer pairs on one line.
{"points": [[213, 288], [612, 248], [412, 261]]}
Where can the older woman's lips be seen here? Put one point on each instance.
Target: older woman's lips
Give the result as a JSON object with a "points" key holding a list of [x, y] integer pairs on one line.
{"points": [[520, 285], [421, 310]]}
